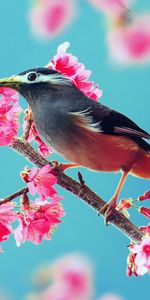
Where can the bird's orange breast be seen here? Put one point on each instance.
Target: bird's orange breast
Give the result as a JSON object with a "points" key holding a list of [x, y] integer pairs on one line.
{"points": [[100, 152]]}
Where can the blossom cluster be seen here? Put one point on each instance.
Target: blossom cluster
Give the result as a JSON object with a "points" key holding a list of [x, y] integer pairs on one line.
{"points": [[33, 135], [129, 40], [138, 262], [37, 219], [68, 65], [70, 278], [9, 115], [128, 33], [49, 17]]}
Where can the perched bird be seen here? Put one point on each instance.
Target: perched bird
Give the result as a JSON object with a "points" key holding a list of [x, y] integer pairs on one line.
{"points": [[82, 130]]}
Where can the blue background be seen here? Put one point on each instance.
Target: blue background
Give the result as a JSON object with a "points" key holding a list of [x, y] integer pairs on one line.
{"points": [[126, 90]]}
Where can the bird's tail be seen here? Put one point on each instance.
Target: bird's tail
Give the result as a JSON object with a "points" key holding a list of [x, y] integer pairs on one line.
{"points": [[141, 168]]}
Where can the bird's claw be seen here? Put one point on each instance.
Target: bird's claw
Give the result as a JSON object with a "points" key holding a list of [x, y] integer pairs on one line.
{"points": [[107, 211]]}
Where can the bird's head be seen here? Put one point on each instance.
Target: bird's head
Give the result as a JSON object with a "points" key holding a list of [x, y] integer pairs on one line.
{"points": [[35, 82]]}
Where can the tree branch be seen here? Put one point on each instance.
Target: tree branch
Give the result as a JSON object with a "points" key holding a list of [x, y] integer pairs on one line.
{"points": [[13, 196], [83, 192]]}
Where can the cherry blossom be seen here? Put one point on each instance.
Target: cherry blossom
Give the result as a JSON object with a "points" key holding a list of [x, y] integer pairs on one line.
{"points": [[141, 256], [40, 181], [43, 149], [38, 222], [70, 276], [75, 272], [68, 65], [49, 17], [9, 114], [7, 216], [131, 267], [130, 42], [124, 204], [8, 95]]}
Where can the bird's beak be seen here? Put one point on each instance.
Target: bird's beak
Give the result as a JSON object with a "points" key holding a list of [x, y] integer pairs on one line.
{"points": [[11, 82]]}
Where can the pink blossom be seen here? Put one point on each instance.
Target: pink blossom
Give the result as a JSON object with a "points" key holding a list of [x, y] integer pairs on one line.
{"points": [[8, 95], [43, 149], [124, 204], [145, 196], [7, 216], [37, 223], [49, 17], [141, 254], [9, 114], [110, 7], [130, 43], [68, 65], [73, 272], [70, 276], [131, 267], [41, 182]]}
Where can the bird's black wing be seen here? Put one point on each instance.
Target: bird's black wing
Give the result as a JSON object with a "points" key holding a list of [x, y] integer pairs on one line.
{"points": [[100, 118], [117, 123]]}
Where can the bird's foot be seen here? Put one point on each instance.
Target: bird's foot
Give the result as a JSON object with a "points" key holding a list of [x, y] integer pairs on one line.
{"points": [[108, 209], [62, 167]]}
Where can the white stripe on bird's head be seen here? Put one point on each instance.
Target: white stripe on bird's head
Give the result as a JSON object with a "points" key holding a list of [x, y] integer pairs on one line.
{"points": [[33, 77]]}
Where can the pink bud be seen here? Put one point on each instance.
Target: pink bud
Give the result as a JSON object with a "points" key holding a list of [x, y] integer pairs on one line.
{"points": [[145, 196], [145, 211]]}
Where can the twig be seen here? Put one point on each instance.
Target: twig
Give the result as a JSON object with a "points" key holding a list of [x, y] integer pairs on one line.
{"points": [[82, 182], [13, 196], [96, 202]]}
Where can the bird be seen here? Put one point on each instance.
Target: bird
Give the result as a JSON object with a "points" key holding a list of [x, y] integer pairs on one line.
{"points": [[83, 131]]}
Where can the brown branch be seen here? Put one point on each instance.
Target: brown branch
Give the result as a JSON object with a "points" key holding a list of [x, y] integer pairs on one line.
{"points": [[92, 199], [13, 196]]}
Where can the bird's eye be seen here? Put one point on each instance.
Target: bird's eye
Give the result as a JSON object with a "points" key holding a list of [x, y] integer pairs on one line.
{"points": [[32, 76]]}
